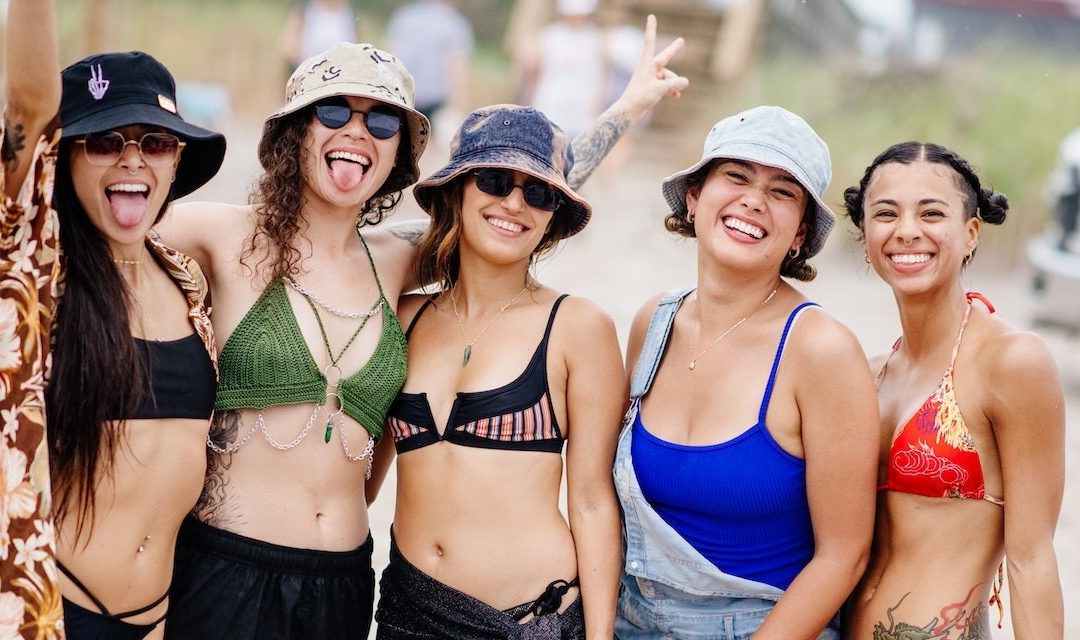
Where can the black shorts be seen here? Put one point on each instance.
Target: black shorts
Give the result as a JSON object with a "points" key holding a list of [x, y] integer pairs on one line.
{"points": [[228, 586], [413, 606]]}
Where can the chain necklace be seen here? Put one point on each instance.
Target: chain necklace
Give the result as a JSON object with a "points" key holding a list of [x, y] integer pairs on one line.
{"points": [[135, 263], [694, 357], [322, 303], [461, 325]]}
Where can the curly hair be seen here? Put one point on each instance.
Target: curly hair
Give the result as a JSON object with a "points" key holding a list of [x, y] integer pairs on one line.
{"points": [[989, 205], [795, 266], [438, 253], [278, 194]]}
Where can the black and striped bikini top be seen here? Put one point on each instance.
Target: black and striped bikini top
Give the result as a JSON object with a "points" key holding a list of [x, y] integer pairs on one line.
{"points": [[517, 416]]}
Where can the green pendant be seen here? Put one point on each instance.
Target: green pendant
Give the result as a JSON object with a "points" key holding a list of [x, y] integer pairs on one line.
{"points": [[468, 354], [329, 428]]}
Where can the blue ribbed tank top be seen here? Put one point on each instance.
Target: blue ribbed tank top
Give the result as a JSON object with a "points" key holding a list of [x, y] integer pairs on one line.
{"points": [[741, 503]]}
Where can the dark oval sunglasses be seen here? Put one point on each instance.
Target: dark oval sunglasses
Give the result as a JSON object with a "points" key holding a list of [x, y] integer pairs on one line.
{"points": [[104, 148], [500, 182], [382, 122]]}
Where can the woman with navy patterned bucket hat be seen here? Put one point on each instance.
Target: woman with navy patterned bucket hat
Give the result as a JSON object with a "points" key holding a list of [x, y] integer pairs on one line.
{"points": [[305, 286], [733, 531], [503, 372]]}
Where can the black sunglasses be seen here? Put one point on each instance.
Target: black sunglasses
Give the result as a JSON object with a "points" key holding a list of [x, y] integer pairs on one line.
{"points": [[500, 182], [382, 122]]}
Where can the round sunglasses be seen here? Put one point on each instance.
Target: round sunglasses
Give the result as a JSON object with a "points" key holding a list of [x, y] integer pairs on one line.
{"points": [[500, 182], [382, 122], [105, 148]]}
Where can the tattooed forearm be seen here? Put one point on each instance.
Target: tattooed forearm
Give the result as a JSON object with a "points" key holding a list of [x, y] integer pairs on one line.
{"points": [[211, 507], [14, 142], [592, 146], [410, 232]]}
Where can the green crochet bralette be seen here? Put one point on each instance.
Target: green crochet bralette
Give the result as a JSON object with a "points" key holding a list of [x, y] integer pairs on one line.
{"points": [[266, 363]]}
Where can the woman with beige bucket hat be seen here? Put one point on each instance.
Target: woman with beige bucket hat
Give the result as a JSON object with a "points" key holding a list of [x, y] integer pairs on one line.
{"points": [[305, 289]]}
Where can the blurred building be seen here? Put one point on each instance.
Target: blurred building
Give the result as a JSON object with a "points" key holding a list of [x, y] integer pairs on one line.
{"points": [[972, 24]]}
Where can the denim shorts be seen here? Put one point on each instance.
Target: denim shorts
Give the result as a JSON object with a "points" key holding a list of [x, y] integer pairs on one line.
{"points": [[649, 609]]}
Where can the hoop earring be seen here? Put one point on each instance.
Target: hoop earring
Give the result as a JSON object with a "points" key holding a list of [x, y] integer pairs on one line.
{"points": [[690, 216], [794, 253], [866, 257]]}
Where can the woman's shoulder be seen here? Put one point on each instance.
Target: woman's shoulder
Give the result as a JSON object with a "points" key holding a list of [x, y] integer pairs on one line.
{"points": [[1007, 355], [818, 335]]}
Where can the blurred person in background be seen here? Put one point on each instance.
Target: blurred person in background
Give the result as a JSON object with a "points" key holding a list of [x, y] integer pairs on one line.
{"points": [[314, 26], [973, 425], [133, 378], [435, 42], [29, 272], [758, 530], [565, 70], [305, 284]]}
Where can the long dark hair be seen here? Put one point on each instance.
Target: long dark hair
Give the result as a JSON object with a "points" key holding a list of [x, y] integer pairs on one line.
{"points": [[91, 343], [278, 194]]}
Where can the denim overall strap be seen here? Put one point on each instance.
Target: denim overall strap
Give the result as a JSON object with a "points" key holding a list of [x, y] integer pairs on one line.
{"points": [[656, 339]]}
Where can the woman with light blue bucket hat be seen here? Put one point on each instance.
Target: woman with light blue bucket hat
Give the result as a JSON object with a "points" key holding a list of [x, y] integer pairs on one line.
{"points": [[745, 468]]}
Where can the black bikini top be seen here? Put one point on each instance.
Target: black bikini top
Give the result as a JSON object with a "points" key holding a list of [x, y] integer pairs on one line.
{"points": [[517, 416], [180, 379]]}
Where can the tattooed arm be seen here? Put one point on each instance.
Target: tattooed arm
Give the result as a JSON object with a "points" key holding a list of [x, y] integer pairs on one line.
{"points": [[652, 80], [32, 85]]}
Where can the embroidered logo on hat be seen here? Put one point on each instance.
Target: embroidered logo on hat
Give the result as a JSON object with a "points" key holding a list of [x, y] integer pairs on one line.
{"points": [[97, 84], [166, 103]]}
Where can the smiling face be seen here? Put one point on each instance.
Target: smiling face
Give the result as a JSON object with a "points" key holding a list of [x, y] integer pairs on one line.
{"points": [[123, 199], [917, 226], [503, 228], [345, 167], [748, 212]]}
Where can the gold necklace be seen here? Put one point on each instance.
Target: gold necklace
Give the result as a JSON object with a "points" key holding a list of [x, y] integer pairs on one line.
{"points": [[461, 325], [128, 262], [694, 358]]}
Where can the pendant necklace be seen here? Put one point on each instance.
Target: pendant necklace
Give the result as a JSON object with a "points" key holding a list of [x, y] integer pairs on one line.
{"points": [[338, 409], [694, 357], [461, 325]]}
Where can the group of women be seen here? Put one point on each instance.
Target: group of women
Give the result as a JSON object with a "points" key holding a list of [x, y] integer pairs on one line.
{"points": [[247, 443]]}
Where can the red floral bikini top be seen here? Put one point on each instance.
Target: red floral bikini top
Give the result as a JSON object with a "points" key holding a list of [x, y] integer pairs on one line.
{"points": [[934, 454]]}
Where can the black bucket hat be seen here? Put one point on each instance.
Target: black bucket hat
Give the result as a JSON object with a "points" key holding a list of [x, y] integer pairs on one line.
{"points": [[114, 90]]}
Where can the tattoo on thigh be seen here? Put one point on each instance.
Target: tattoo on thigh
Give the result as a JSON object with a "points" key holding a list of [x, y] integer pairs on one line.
{"points": [[14, 142], [961, 620]]}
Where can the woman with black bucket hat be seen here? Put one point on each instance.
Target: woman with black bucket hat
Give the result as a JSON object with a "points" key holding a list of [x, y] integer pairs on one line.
{"points": [[312, 353], [761, 401], [503, 372], [133, 376]]}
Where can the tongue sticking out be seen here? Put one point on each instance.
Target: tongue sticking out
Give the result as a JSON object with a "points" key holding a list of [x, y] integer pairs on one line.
{"points": [[346, 174], [128, 208]]}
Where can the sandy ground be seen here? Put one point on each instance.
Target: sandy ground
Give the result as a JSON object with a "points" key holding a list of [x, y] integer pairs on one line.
{"points": [[624, 256]]}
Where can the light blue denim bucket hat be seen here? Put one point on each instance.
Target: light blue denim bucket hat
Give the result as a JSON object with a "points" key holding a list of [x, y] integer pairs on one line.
{"points": [[775, 137], [507, 136]]}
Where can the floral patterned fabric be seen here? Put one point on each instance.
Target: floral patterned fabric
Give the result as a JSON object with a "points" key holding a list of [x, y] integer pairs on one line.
{"points": [[30, 605]]}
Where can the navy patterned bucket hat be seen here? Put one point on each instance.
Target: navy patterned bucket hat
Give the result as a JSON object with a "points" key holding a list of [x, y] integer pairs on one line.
{"points": [[775, 137], [507, 136], [361, 70]]}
